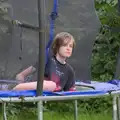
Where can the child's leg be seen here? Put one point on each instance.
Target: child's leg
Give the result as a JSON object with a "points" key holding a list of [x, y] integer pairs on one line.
{"points": [[47, 85]]}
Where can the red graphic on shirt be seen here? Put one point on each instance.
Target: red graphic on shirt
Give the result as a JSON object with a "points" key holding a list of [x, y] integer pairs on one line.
{"points": [[55, 78]]}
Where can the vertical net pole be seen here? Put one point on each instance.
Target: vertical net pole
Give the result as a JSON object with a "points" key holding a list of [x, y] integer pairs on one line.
{"points": [[119, 107], [41, 58], [40, 110], [41, 54], [119, 5], [4, 111], [115, 107], [75, 110]]}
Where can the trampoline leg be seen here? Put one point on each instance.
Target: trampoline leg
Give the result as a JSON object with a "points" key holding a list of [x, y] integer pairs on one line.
{"points": [[118, 107], [75, 110], [4, 111], [115, 108], [40, 110]]}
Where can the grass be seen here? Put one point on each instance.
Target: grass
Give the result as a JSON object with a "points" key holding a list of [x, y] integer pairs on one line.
{"points": [[60, 116], [86, 116], [29, 112]]}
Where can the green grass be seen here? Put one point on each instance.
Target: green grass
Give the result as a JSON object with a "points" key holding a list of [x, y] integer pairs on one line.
{"points": [[21, 112], [60, 116], [68, 116]]}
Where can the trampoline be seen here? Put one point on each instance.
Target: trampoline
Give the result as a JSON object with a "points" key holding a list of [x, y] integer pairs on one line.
{"points": [[24, 35]]}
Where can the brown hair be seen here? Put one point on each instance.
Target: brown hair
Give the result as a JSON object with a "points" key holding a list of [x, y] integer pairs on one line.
{"points": [[59, 41]]}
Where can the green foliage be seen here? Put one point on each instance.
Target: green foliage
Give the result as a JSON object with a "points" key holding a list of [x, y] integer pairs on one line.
{"points": [[96, 105], [93, 105], [107, 41]]}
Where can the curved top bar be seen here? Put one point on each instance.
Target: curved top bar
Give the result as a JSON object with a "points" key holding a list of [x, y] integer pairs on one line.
{"points": [[56, 98]]}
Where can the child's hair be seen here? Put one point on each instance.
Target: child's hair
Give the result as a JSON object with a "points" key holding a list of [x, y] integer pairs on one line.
{"points": [[59, 41]]}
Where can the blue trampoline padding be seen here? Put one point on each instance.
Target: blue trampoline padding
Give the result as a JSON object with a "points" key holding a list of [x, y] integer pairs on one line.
{"points": [[29, 93], [102, 86], [24, 93], [13, 93], [86, 92]]}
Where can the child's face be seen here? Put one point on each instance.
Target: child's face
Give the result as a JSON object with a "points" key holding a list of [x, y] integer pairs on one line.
{"points": [[66, 49]]}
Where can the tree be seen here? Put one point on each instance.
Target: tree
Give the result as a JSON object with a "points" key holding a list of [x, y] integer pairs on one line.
{"points": [[107, 41]]}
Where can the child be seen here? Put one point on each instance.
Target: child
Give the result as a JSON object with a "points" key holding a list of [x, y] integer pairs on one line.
{"points": [[59, 75]]}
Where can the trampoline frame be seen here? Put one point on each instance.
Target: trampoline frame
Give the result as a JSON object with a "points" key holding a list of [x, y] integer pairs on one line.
{"points": [[40, 99]]}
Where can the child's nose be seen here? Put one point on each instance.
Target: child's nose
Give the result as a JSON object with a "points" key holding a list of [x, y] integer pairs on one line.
{"points": [[68, 48]]}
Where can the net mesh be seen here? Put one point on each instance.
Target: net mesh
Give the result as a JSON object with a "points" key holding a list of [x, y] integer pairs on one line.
{"points": [[19, 46]]}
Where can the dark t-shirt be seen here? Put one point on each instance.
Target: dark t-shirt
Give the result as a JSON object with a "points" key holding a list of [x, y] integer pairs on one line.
{"points": [[62, 74]]}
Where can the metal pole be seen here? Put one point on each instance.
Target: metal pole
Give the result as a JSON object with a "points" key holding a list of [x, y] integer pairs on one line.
{"points": [[118, 107], [41, 54], [117, 72], [4, 111], [119, 5], [75, 110], [115, 107], [40, 110]]}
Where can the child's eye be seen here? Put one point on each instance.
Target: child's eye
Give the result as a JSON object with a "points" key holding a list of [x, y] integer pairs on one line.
{"points": [[65, 44], [71, 45]]}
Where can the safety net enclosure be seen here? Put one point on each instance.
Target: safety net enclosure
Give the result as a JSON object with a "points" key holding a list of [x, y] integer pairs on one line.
{"points": [[19, 45]]}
